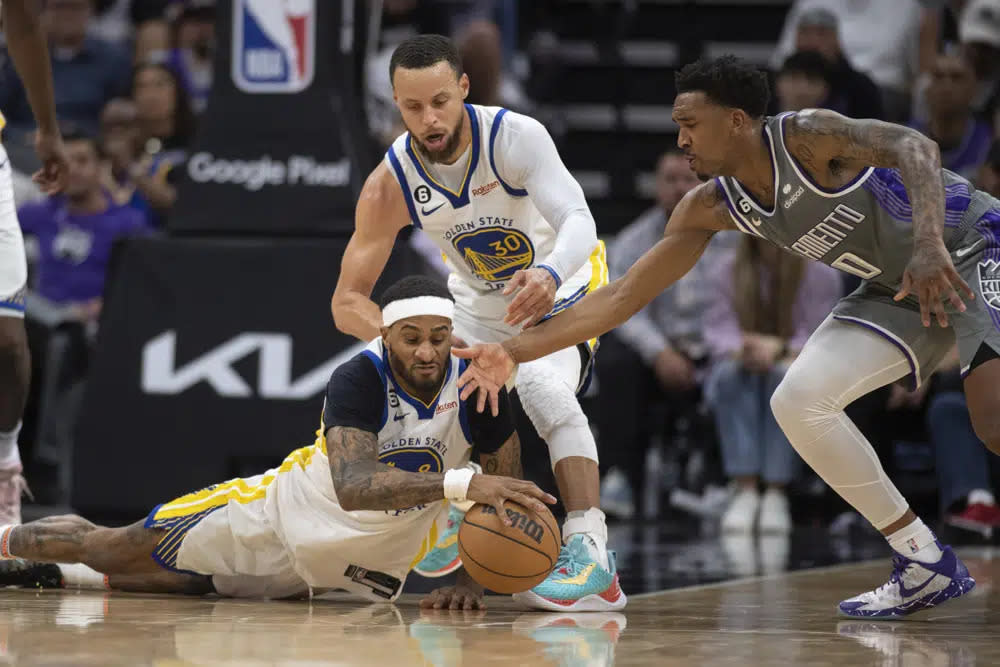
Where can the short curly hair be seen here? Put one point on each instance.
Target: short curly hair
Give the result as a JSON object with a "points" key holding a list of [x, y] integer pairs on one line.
{"points": [[413, 286], [727, 81], [425, 51]]}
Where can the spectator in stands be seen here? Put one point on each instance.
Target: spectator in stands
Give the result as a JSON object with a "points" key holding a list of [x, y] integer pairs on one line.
{"points": [[167, 124], [989, 173], [74, 233], [121, 142], [803, 82], [86, 72], [188, 28], [979, 32], [879, 39], [658, 352], [962, 463], [964, 139], [763, 305]]}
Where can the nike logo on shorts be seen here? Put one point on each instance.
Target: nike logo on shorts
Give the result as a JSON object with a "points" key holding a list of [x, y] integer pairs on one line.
{"points": [[962, 252]]}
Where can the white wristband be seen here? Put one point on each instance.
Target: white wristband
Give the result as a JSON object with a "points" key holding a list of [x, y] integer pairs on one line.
{"points": [[456, 483]]}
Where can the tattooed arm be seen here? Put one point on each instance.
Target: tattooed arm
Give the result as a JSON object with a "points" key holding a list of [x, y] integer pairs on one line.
{"points": [[828, 143], [363, 483], [831, 142], [505, 461]]}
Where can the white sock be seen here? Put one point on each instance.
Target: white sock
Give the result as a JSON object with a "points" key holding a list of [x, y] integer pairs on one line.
{"points": [[9, 454], [590, 523], [982, 497], [916, 541], [78, 575]]}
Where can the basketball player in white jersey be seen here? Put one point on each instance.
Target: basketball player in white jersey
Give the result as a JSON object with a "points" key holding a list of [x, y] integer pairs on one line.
{"points": [[355, 511], [489, 189], [30, 55]]}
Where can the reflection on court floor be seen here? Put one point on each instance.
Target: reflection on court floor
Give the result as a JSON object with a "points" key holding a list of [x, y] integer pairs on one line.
{"points": [[786, 619]]}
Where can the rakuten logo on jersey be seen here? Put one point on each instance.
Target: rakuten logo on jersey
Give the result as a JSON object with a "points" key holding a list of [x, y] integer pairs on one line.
{"points": [[486, 189], [445, 407], [254, 175]]}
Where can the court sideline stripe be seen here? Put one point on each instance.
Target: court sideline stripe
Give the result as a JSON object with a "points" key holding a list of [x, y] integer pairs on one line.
{"points": [[757, 578]]}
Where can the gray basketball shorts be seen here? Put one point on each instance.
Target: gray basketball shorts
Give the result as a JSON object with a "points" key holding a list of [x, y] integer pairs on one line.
{"points": [[977, 259]]}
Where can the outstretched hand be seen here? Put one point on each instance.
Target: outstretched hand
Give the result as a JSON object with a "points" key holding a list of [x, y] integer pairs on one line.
{"points": [[490, 366], [931, 276]]}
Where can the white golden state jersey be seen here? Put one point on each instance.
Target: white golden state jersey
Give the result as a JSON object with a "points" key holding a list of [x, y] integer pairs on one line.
{"points": [[325, 540], [489, 229]]}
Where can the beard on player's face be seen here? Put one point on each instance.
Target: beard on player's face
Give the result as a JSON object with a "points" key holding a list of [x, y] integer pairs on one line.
{"points": [[419, 358], [453, 137]]}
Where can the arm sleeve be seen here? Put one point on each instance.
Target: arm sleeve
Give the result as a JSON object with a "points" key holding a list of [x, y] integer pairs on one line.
{"points": [[355, 396], [529, 160], [489, 432]]}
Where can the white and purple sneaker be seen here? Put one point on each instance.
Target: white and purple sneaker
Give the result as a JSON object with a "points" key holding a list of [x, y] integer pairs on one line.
{"points": [[913, 586]]}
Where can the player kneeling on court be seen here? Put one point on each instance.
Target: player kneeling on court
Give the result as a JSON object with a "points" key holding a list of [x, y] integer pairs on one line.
{"points": [[354, 511]]}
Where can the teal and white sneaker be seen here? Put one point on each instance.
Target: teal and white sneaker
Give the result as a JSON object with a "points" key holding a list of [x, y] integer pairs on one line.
{"points": [[443, 558], [578, 583]]}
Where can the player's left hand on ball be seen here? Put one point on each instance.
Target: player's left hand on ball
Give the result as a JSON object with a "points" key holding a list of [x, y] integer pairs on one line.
{"points": [[536, 294], [454, 597], [932, 277]]}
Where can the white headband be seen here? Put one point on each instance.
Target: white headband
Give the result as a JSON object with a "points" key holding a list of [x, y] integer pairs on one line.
{"points": [[401, 309]]}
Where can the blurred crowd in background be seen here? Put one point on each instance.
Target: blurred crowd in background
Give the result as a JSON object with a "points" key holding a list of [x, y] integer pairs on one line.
{"points": [[681, 399]]}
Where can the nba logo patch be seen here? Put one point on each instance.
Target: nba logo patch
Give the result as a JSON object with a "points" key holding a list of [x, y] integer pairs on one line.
{"points": [[274, 45]]}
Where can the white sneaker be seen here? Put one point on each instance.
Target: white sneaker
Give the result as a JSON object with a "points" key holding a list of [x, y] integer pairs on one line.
{"points": [[741, 514], [774, 515], [913, 586]]}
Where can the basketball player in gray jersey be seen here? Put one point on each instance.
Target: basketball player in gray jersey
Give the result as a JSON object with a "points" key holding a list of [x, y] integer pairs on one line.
{"points": [[869, 198]]}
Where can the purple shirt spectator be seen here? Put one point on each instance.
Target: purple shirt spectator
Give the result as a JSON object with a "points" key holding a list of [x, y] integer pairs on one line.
{"points": [[819, 292], [968, 155], [74, 249]]}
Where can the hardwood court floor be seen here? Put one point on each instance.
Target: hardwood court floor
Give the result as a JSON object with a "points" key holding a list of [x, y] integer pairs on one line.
{"points": [[783, 620]]}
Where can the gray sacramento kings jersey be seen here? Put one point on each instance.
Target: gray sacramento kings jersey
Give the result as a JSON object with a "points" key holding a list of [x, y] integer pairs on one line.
{"points": [[863, 228]]}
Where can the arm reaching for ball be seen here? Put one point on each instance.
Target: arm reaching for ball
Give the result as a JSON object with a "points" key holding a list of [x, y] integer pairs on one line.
{"points": [[700, 214]]}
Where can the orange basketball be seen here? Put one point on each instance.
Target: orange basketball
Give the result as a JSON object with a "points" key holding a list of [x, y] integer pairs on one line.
{"points": [[508, 559]]}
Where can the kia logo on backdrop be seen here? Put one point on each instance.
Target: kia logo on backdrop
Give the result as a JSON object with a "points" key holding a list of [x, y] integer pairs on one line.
{"points": [[274, 45], [162, 375]]}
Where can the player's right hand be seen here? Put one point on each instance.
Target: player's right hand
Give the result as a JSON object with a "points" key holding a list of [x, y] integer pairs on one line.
{"points": [[495, 490], [51, 178], [490, 368]]}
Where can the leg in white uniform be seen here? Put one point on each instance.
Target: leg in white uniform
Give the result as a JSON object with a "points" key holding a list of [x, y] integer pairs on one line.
{"points": [[841, 362], [547, 390], [15, 366]]}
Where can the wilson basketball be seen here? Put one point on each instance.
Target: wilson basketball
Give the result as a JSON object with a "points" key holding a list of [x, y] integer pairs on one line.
{"points": [[508, 559]]}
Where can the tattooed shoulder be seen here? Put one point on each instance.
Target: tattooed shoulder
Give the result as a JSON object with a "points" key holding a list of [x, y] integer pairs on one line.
{"points": [[709, 195], [824, 136]]}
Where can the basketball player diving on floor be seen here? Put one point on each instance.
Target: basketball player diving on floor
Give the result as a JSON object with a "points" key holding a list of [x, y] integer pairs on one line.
{"points": [[489, 189], [354, 511], [869, 198]]}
